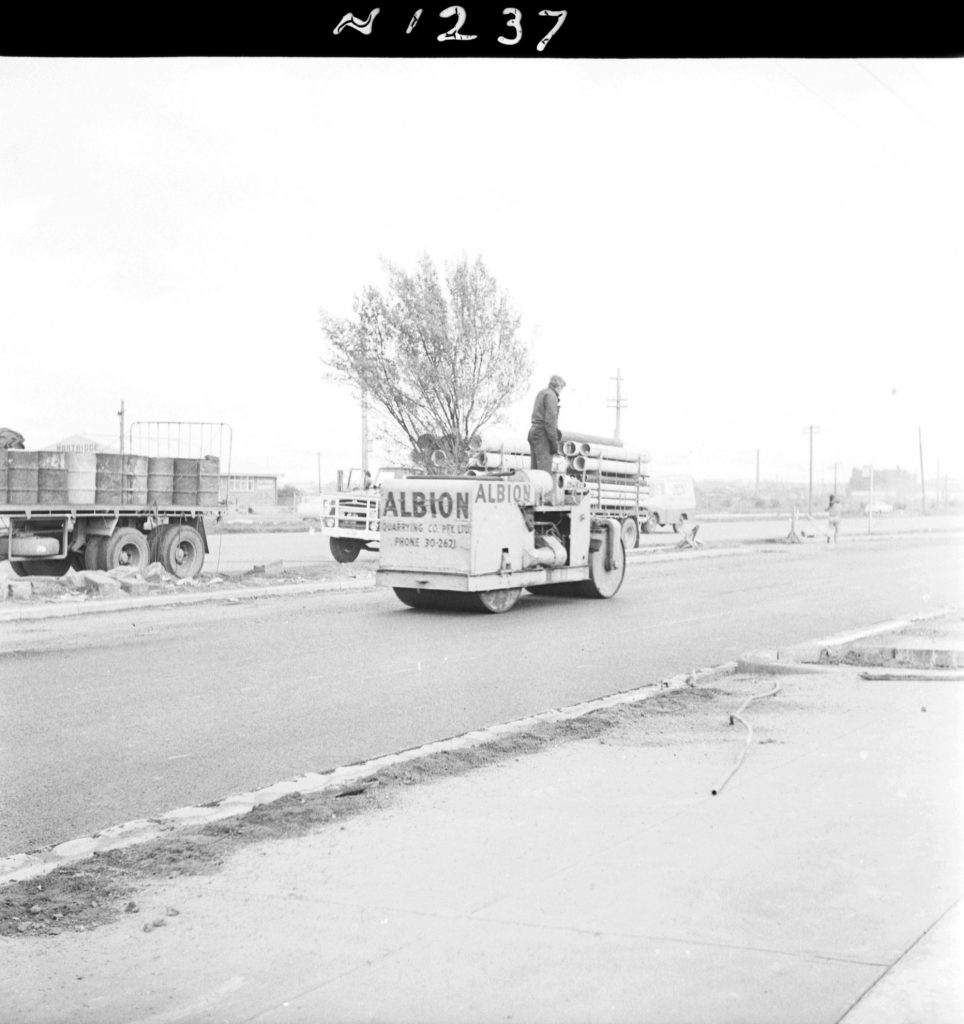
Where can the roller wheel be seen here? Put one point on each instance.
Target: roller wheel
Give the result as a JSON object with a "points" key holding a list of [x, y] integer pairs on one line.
{"points": [[448, 600], [409, 596], [344, 550], [180, 550], [630, 533], [126, 548], [42, 567], [558, 590], [498, 601], [437, 600], [604, 582], [93, 553]]}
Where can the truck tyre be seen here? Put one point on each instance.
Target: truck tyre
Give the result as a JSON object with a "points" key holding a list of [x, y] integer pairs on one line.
{"points": [[125, 548], [343, 549], [93, 553], [180, 550], [630, 533], [42, 567]]}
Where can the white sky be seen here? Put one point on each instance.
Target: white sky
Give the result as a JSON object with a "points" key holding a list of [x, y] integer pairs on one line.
{"points": [[756, 245]]}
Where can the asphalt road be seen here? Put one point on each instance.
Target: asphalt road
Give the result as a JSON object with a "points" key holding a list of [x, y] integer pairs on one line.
{"points": [[238, 552], [108, 718]]}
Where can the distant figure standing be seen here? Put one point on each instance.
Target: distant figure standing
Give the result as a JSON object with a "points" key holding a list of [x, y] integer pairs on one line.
{"points": [[833, 510], [544, 434]]}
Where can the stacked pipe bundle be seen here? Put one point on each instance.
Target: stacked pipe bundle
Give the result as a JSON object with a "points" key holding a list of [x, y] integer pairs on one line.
{"points": [[616, 475]]}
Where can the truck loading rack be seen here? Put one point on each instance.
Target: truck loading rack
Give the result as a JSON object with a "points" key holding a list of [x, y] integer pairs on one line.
{"points": [[80, 510]]}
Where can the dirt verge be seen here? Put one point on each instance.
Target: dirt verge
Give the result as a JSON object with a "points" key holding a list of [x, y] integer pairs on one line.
{"points": [[91, 893]]}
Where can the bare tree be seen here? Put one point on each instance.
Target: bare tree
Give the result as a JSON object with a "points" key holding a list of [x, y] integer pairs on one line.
{"points": [[442, 360]]}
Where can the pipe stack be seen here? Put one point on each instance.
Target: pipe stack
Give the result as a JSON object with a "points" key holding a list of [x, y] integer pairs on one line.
{"points": [[615, 475]]}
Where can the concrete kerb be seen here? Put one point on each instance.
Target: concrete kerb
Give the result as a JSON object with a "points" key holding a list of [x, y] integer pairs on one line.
{"points": [[13, 614], [15, 611], [24, 866], [806, 657]]}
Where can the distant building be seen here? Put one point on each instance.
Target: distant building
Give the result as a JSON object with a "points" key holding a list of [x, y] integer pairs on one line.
{"points": [[80, 443], [249, 490], [896, 486]]}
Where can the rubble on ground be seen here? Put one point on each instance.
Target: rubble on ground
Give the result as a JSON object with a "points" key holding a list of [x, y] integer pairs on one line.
{"points": [[153, 580]]}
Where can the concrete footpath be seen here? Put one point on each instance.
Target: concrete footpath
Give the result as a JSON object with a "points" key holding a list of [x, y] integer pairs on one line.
{"points": [[596, 879]]}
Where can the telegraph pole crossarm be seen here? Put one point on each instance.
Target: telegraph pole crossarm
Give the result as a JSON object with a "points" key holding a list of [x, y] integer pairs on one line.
{"points": [[619, 403]]}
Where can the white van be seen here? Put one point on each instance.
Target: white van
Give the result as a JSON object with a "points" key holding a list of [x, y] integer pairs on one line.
{"points": [[671, 502]]}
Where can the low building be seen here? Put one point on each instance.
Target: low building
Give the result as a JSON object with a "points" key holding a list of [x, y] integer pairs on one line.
{"points": [[249, 490]]}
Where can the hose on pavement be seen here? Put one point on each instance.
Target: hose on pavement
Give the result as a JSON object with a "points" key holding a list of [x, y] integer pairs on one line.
{"points": [[735, 717]]}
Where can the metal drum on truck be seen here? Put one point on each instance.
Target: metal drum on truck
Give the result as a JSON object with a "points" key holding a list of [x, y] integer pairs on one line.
{"points": [[208, 481], [185, 481], [81, 478], [160, 481], [23, 478], [51, 478]]}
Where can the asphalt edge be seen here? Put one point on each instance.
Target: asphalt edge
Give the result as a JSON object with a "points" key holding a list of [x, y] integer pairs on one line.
{"points": [[805, 657], [24, 866]]}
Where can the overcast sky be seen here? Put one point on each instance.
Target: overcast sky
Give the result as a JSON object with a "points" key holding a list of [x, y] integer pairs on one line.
{"points": [[756, 245]]}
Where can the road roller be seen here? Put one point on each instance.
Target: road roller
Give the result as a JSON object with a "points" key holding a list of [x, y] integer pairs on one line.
{"points": [[476, 542]]}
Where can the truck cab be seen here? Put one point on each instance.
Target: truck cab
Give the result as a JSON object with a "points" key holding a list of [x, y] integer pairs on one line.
{"points": [[349, 517]]}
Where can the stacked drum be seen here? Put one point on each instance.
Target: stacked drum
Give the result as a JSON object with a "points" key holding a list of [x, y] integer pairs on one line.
{"points": [[53, 479], [160, 481], [121, 479], [196, 481], [81, 478], [23, 477]]}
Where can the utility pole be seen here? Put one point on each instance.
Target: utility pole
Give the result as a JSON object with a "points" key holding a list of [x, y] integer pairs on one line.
{"points": [[923, 492], [757, 488], [810, 493], [618, 404], [120, 415], [870, 504], [364, 433], [319, 472]]}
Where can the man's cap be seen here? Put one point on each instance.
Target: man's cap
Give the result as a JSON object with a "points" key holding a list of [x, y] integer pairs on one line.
{"points": [[555, 381]]}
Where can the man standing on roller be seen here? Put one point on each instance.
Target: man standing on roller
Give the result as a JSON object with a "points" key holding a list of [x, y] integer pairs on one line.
{"points": [[544, 435]]}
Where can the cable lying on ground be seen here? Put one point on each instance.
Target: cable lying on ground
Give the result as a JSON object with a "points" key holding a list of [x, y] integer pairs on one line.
{"points": [[735, 717]]}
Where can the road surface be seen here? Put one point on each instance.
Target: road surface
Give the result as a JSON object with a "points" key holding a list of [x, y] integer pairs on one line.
{"points": [[113, 717], [238, 552]]}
